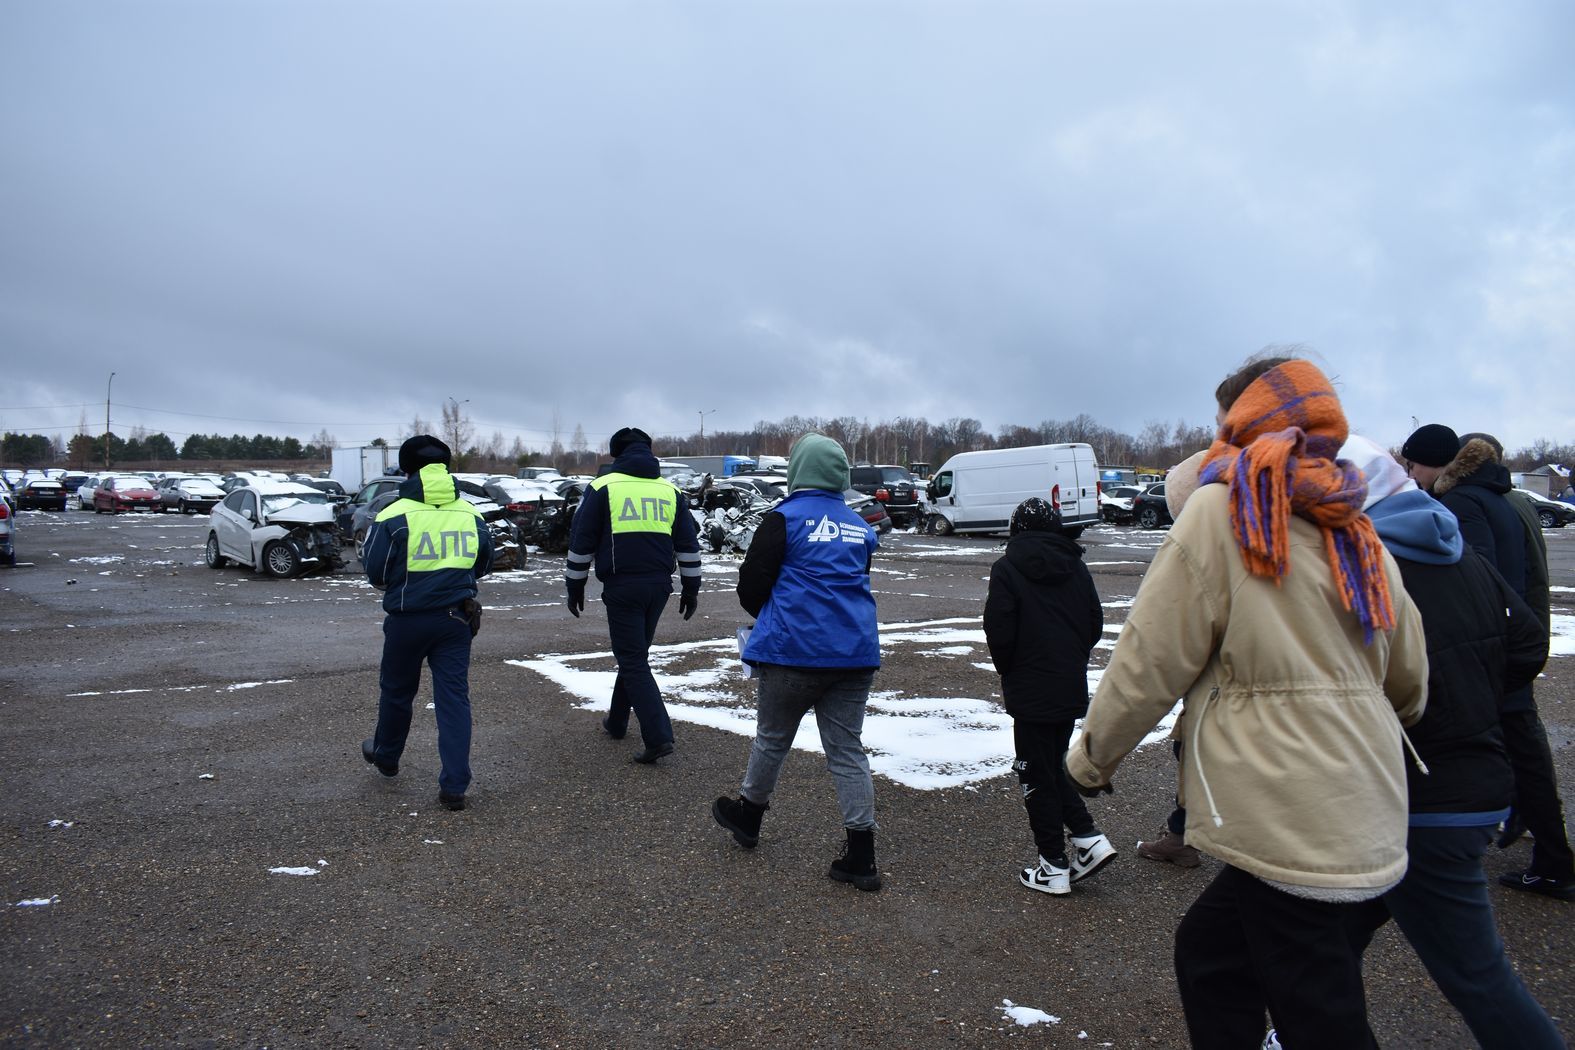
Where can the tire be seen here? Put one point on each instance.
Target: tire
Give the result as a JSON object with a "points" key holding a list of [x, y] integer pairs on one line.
{"points": [[280, 561], [184, 508], [1148, 518], [1548, 519], [211, 555], [938, 525], [360, 544]]}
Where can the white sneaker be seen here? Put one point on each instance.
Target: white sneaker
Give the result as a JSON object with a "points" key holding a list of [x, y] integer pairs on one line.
{"points": [[1046, 878], [1272, 1041], [1089, 855]]}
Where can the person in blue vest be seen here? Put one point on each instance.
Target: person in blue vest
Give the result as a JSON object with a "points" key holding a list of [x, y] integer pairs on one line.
{"points": [[425, 551], [631, 524], [814, 647]]}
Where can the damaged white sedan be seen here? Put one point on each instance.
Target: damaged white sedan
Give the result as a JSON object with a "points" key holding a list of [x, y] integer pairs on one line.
{"points": [[278, 527]]}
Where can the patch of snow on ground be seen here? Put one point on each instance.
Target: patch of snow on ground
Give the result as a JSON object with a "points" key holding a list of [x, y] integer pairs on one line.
{"points": [[948, 650], [39, 902], [292, 871], [1562, 635], [61, 823], [102, 559], [921, 742], [1026, 1015], [254, 685]]}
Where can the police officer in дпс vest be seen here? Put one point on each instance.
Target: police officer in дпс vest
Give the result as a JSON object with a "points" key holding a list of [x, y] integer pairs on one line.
{"points": [[631, 524], [425, 551]]}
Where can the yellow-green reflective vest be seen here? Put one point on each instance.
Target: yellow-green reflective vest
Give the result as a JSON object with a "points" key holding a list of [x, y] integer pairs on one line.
{"points": [[439, 537], [639, 504]]}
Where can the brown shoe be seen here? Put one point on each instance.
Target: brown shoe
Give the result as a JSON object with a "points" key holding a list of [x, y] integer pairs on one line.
{"points": [[1172, 848]]}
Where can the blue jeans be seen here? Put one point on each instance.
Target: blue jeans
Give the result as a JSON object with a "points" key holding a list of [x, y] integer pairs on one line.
{"points": [[633, 610], [1442, 907], [441, 638], [837, 698]]}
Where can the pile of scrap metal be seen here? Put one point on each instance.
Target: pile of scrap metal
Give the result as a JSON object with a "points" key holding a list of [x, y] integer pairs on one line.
{"points": [[727, 515]]}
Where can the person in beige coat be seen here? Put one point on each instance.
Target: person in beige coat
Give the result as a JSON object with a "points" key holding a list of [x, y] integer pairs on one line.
{"points": [[1274, 611]]}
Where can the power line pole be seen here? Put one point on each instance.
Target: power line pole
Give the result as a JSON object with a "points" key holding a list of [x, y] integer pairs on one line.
{"points": [[107, 387]]}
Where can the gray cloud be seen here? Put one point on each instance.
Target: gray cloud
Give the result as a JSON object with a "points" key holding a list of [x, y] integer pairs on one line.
{"points": [[343, 213]]}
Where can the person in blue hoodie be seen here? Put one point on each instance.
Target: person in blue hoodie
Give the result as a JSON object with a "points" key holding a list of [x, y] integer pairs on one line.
{"points": [[425, 551], [814, 647], [1460, 782], [633, 524]]}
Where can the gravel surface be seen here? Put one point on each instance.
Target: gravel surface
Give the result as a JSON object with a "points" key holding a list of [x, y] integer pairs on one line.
{"points": [[194, 729]]}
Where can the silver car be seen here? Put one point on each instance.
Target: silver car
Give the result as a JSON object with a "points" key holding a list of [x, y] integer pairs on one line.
{"points": [[278, 527]]}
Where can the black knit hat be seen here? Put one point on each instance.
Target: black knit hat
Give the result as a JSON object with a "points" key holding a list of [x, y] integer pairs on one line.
{"points": [[1432, 445], [421, 450], [626, 437], [1035, 515]]}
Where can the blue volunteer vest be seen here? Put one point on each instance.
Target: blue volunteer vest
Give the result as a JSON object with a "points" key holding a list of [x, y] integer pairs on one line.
{"points": [[821, 612]]}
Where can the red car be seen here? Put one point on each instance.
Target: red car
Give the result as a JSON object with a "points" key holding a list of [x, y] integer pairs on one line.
{"points": [[125, 492]]}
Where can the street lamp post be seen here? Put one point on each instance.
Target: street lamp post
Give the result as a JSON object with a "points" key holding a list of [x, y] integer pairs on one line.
{"points": [[107, 387], [703, 414]]}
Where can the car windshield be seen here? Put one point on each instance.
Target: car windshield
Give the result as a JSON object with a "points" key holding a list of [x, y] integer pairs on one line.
{"points": [[284, 501], [200, 488], [893, 475]]}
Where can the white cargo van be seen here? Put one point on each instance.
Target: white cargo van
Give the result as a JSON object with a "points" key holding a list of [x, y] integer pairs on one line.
{"points": [[977, 491]]}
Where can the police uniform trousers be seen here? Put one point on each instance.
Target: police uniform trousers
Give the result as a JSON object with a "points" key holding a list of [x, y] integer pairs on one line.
{"points": [[441, 638], [633, 608]]}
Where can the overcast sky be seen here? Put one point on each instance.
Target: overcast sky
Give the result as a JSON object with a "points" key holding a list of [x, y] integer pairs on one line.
{"points": [[286, 216]]}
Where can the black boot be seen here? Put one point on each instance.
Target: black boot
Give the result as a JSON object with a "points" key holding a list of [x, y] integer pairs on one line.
{"points": [[741, 817], [857, 862]]}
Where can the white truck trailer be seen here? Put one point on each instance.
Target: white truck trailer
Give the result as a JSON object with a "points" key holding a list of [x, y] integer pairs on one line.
{"points": [[354, 467]]}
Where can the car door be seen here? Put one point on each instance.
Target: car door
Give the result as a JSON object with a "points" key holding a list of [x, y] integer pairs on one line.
{"points": [[233, 527]]}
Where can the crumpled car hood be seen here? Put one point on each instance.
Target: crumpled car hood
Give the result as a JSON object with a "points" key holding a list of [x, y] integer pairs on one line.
{"points": [[305, 514]]}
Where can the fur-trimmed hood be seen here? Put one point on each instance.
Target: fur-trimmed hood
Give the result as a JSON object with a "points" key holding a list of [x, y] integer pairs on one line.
{"points": [[1476, 464]]}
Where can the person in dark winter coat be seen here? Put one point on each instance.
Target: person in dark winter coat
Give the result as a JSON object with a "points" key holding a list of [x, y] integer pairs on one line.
{"points": [[1460, 781], [634, 525], [425, 551], [814, 647], [1042, 618], [1475, 487]]}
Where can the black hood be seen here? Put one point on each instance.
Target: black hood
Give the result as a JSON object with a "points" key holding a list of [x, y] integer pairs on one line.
{"points": [[638, 461], [1043, 556]]}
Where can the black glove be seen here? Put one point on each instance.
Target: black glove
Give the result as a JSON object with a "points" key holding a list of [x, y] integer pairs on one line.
{"points": [[688, 602], [576, 597]]}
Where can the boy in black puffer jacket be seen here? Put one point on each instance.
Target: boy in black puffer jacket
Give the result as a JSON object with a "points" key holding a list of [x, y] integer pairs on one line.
{"points": [[1041, 620]]}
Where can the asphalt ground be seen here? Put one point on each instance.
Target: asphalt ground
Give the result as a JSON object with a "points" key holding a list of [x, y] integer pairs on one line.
{"points": [[192, 729]]}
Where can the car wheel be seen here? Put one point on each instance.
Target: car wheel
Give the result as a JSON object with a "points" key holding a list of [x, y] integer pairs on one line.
{"points": [[938, 525], [1148, 518], [360, 543], [184, 508], [280, 560], [211, 555]]}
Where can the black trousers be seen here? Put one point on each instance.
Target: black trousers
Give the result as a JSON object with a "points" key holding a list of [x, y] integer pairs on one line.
{"points": [[1048, 795], [1537, 800], [1244, 948]]}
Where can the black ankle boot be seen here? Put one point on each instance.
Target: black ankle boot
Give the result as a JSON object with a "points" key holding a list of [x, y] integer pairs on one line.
{"points": [[857, 862], [741, 817]]}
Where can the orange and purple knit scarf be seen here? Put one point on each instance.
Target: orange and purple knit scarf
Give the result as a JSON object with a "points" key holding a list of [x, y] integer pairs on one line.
{"points": [[1276, 451]]}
